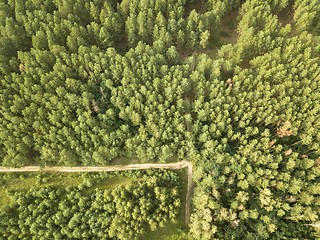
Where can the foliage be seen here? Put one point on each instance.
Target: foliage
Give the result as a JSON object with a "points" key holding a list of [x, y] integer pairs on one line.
{"points": [[307, 15], [83, 83], [87, 212]]}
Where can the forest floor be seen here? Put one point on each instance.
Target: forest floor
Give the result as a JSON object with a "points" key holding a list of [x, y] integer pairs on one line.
{"points": [[143, 166], [229, 24], [285, 16]]}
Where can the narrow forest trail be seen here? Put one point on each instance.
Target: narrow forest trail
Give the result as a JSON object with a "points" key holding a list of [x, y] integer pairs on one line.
{"points": [[143, 166]]}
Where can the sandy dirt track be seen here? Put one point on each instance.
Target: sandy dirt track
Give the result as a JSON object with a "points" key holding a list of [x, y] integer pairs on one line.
{"points": [[176, 165]]}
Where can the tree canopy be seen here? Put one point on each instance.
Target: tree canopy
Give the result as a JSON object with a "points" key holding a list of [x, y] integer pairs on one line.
{"points": [[232, 86]]}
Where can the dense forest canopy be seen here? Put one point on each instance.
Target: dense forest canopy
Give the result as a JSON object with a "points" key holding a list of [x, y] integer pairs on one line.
{"points": [[92, 209], [233, 86]]}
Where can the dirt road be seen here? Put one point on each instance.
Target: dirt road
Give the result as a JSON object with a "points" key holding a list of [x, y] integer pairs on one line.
{"points": [[176, 165]]}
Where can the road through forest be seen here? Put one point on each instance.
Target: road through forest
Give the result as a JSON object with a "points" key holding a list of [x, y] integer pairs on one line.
{"points": [[172, 166]]}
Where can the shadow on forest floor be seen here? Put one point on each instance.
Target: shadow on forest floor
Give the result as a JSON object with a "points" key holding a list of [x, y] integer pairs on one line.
{"points": [[198, 6], [285, 16], [228, 27]]}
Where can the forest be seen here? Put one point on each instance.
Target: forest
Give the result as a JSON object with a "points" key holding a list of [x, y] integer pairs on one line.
{"points": [[231, 85], [122, 205]]}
